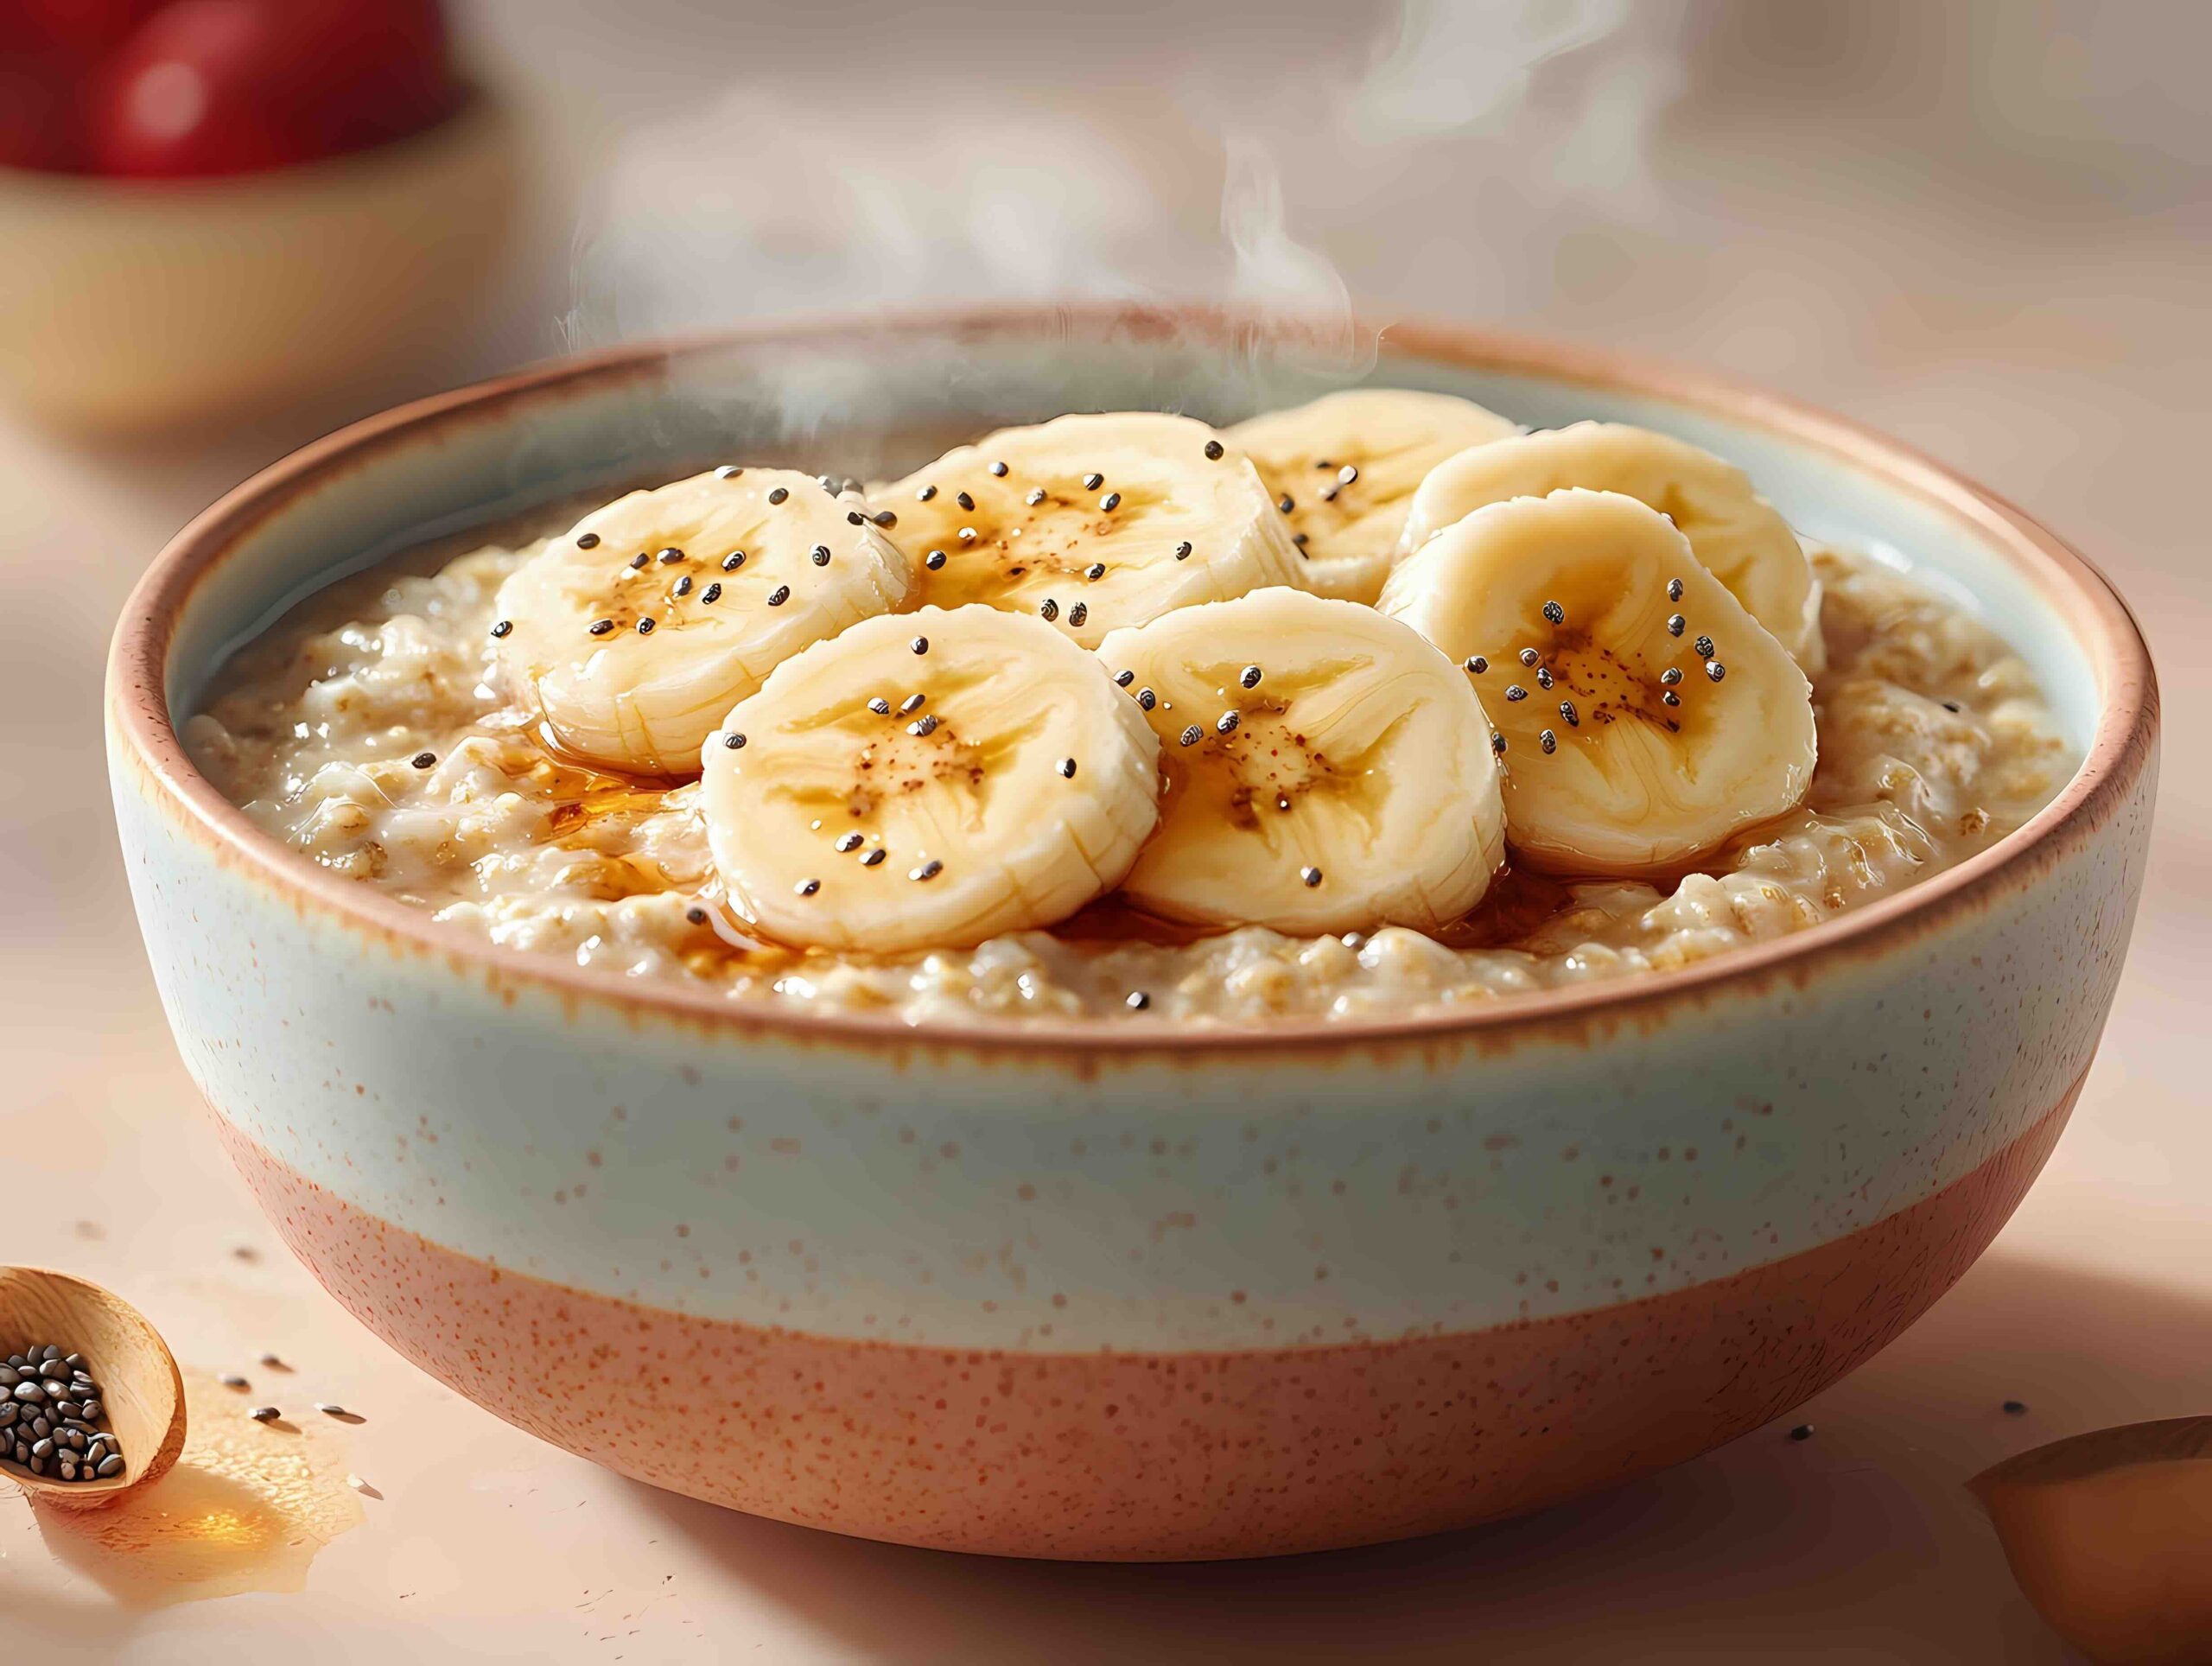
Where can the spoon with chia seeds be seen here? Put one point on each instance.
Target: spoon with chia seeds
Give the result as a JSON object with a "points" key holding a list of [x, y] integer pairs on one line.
{"points": [[84, 1382]]}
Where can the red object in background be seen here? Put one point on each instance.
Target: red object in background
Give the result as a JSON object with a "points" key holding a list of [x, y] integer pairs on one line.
{"points": [[47, 48], [83, 30], [229, 86]]}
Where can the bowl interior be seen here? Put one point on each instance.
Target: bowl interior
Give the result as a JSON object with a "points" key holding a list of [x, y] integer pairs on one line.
{"points": [[873, 400]]}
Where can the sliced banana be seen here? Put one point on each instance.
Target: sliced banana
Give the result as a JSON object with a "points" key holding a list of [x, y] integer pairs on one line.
{"points": [[934, 777], [636, 630], [1326, 768], [1348, 465], [1092, 523], [1737, 536], [1647, 717]]}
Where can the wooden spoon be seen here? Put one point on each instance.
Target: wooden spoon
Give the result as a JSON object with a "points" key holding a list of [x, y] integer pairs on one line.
{"points": [[2110, 1536], [142, 1395]]}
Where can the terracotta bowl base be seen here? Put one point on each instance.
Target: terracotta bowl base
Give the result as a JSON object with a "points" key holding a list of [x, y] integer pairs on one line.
{"points": [[1147, 1457]]}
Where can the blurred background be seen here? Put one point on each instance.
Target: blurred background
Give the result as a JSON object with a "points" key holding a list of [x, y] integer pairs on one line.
{"points": [[1982, 226]]}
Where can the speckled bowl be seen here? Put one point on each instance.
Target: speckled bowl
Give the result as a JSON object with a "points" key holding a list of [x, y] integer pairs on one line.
{"points": [[1103, 1291]]}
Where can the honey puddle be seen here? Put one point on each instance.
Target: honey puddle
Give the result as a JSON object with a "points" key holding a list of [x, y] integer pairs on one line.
{"points": [[246, 1509]]}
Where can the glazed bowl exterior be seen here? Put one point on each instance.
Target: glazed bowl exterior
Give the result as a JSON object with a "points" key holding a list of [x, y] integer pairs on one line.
{"points": [[1119, 1290]]}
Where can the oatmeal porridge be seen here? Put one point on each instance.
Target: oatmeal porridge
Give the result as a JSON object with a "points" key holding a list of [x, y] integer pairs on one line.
{"points": [[1062, 727]]}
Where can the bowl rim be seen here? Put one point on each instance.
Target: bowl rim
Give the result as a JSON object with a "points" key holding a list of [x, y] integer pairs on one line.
{"points": [[2107, 634]]}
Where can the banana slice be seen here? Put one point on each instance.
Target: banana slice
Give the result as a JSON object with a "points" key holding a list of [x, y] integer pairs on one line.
{"points": [[1092, 523], [1348, 465], [1326, 768], [932, 779], [636, 631], [1647, 717], [1737, 536]]}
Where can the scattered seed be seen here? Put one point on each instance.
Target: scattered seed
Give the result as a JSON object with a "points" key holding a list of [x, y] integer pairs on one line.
{"points": [[1543, 676], [1671, 675], [780, 595], [1671, 698], [424, 759], [696, 914], [1192, 736], [1092, 482], [601, 627], [1136, 1001], [1497, 743], [670, 556], [1226, 723], [927, 726], [1514, 692], [934, 561], [727, 472], [733, 561], [1182, 552], [967, 535], [1803, 1432], [645, 625], [1329, 494], [1567, 710], [1078, 614], [779, 494], [1554, 613], [684, 585], [711, 595], [925, 494], [1951, 705], [503, 627], [807, 887], [330, 1410], [1311, 875], [1122, 679], [1529, 655], [1048, 610], [1110, 502], [1067, 768], [1096, 571], [639, 560], [1676, 625], [1478, 664], [1703, 646], [874, 857], [1285, 503], [999, 469], [232, 1379], [734, 741], [2014, 1408], [963, 500], [1548, 742], [1147, 699], [1214, 449], [264, 1414], [885, 518], [912, 703], [1036, 496], [1674, 589], [821, 555], [1249, 676], [586, 540], [928, 870], [919, 644]]}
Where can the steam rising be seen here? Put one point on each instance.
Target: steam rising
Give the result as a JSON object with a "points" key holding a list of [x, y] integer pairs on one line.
{"points": [[891, 192]]}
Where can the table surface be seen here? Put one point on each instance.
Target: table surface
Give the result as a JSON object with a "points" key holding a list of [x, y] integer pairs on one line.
{"points": [[2057, 353]]}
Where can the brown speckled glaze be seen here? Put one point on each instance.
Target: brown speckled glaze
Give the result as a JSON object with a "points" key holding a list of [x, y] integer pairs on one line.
{"points": [[1101, 1290], [1187, 1455]]}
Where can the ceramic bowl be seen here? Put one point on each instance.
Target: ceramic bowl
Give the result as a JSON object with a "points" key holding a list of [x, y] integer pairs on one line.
{"points": [[1102, 1292], [135, 304]]}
